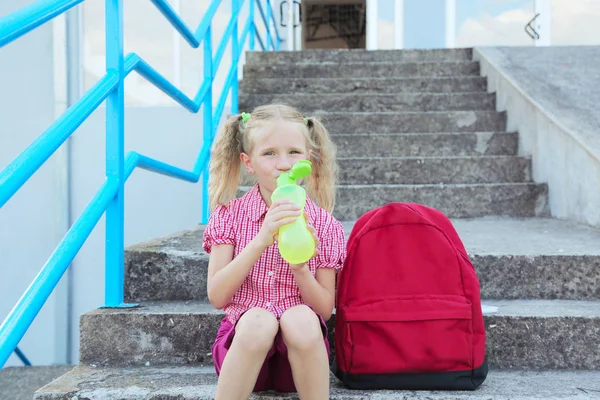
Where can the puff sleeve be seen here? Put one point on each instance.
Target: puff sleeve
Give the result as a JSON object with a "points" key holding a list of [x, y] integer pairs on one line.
{"points": [[332, 246], [220, 229]]}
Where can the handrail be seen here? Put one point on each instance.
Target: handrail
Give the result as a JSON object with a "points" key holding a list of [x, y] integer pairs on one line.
{"points": [[266, 19], [29, 161], [119, 167], [262, 45], [26, 19]]}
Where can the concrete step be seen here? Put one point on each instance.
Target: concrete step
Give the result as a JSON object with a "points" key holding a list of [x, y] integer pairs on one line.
{"points": [[348, 56], [456, 201], [413, 122], [363, 102], [427, 144], [531, 258], [362, 70], [364, 85], [431, 170], [536, 334], [199, 383], [20, 383]]}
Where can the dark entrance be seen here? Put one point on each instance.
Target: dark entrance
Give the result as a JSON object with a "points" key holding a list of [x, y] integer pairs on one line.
{"points": [[334, 24]]}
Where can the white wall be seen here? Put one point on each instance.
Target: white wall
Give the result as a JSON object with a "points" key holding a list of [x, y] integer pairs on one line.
{"points": [[30, 225]]}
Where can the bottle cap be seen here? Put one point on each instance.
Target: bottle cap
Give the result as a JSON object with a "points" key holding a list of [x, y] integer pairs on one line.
{"points": [[300, 170]]}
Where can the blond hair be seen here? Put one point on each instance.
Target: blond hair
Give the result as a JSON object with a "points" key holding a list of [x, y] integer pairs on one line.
{"points": [[234, 139]]}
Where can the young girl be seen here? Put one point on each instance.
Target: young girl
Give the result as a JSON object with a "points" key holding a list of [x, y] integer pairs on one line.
{"points": [[273, 336]]}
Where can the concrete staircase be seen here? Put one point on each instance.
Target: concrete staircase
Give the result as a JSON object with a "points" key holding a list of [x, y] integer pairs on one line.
{"points": [[413, 126]]}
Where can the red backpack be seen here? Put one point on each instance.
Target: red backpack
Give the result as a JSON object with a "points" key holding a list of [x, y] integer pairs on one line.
{"points": [[408, 309]]}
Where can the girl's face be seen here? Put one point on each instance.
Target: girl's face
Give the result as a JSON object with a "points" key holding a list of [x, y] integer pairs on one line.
{"points": [[277, 146]]}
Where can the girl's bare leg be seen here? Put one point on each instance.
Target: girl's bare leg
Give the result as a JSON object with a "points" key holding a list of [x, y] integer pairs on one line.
{"points": [[254, 336], [301, 332]]}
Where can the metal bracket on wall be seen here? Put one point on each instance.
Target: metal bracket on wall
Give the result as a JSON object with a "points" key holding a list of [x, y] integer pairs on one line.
{"points": [[281, 13], [530, 30]]}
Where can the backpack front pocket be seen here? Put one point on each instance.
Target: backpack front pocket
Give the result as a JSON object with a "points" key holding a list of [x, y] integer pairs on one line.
{"points": [[409, 335]]}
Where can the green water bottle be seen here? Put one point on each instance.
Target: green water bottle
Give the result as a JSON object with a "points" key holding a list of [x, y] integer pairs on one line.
{"points": [[296, 243]]}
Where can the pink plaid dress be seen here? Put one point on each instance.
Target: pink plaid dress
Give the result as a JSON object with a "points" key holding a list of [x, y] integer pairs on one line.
{"points": [[270, 284]]}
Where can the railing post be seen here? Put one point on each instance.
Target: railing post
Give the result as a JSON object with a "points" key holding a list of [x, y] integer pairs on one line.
{"points": [[268, 25], [22, 357], [290, 26], [544, 22], [277, 40], [252, 26], [235, 7], [177, 49], [399, 24], [207, 116], [450, 23], [372, 22], [115, 154]]}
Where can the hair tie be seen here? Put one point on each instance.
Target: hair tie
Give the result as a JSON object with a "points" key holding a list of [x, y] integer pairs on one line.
{"points": [[306, 121], [245, 117]]}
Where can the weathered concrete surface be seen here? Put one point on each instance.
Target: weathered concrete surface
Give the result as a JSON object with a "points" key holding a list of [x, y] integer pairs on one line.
{"points": [[528, 237], [543, 334], [342, 56], [168, 268], [432, 170], [362, 102], [537, 334], [444, 84], [538, 277], [456, 201], [427, 144], [199, 383], [551, 97], [428, 170], [160, 332], [361, 70], [413, 122], [20, 383], [533, 258]]}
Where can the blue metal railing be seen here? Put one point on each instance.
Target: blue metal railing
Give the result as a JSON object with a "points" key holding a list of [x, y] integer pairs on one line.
{"points": [[119, 167], [22, 357]]}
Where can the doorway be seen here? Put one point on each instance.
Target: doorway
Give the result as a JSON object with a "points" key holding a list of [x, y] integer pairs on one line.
{"points": [[333, 24]]}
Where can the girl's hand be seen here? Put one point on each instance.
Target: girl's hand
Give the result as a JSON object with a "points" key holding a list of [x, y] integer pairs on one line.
{"points": [[280, 213], [296, 267]]}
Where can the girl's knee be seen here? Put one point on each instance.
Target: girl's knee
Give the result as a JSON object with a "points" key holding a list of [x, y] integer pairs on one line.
{"points": [[301, 328], [256, 330]]}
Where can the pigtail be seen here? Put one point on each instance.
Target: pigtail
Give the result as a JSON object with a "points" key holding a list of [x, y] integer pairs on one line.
{"points": [[225, 164], [321, 183]]}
